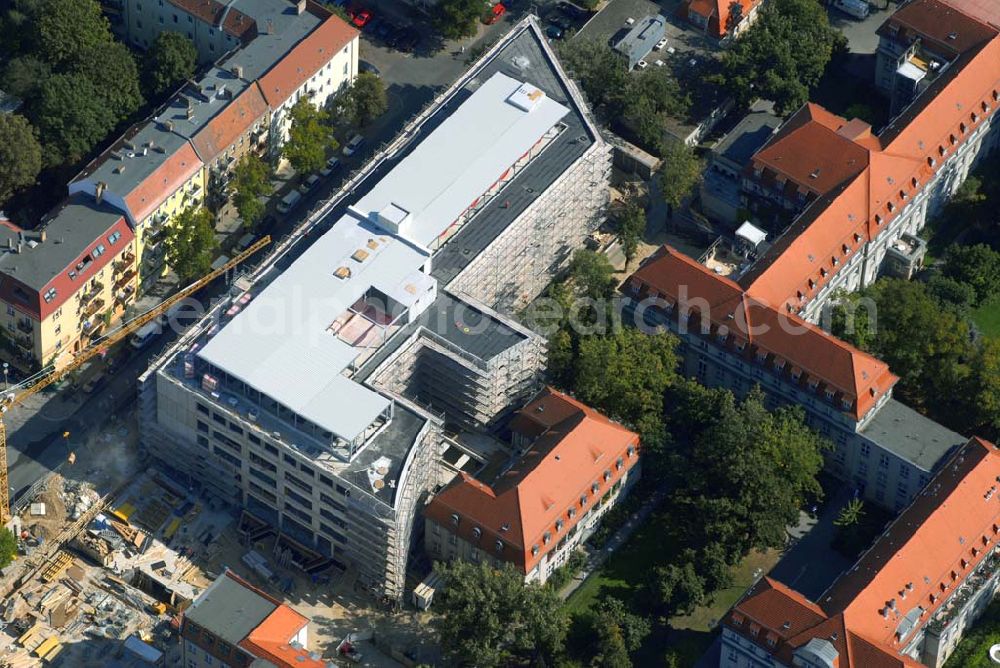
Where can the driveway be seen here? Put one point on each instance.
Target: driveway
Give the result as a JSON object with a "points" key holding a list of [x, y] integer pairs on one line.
{"points": [[860, 34]]}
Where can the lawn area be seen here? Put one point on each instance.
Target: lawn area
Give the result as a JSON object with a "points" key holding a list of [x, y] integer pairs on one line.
{"points": [[987, 318], [625, 574], [973, 650]]}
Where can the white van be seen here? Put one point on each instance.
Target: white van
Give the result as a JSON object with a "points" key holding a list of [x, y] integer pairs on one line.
{"points": [[146, 333], [859, 9], [289, 201]]}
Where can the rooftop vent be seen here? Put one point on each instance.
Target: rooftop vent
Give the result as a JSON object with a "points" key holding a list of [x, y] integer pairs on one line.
{"points": [[360, 255], [342, 272], [814, 174]]}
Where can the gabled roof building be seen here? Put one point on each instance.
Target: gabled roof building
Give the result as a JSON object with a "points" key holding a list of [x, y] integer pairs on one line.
{"points": [[907, 600], [574, 465]]}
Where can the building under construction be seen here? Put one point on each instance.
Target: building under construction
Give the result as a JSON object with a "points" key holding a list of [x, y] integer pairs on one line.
{"points": [[317, 397]]}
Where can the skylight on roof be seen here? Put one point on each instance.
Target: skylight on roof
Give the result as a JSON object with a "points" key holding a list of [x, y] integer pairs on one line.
{"points": [[526, 97]]}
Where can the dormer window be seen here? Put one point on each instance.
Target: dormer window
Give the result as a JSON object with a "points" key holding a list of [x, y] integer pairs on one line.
{"points": [[559, 525], [779, 363], [583, 500], [631, 451], [931, 162], [546, 538], [619, 463], [454, 519], [499, 545], [812, 284], [845, 404], [857, 238], [834, 261], [477, 533], [813, 384], [953, 139], [941, 151], [914, 182], [607, 476], [823, 272], [890, 206], [796, 373], [594, 488], [571, 512], [534, 550], [829, 395], [962, 127]]}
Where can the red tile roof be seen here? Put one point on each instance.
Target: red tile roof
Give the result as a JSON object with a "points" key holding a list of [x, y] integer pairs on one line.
{"points": [[572, 453], [236, 119], [987, 11], [305, 59], [934, 544], [270, 640], [716, 13], [785, 341], [236, 23], [945, 27], [165, 179]]}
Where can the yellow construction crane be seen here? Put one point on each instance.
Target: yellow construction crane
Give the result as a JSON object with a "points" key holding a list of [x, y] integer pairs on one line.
{"points": [[11, 399]]}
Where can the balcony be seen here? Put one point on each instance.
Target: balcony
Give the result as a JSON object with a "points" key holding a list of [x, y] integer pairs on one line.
{"points": [[126, 261], [25, 344], [25, 326], [92, 308], [125, 278]]}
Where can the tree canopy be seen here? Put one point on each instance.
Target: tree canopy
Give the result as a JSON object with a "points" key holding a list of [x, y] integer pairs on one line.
{"points": [[71, 31], [783, 55], [20, 155], [250, 182], [365, 100], [8, 547], [490, 618], [977, 266], [680, 174], [190, 243], [630, 225], [71, 117], [457, 18], [170, 60], [112, 69], [309, 137]]}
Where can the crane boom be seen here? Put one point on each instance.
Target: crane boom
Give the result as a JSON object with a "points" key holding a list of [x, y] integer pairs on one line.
{"points": [[15, 398]]}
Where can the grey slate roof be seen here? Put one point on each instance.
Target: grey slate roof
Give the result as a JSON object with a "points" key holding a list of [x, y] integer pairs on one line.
{"points": [[74, 229], [752, 132], [913, 437], [229, 610]]}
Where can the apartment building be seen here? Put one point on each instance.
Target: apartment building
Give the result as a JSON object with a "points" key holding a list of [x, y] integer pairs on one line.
{"points": [[722, 19], [232, 623], [858, 201], [908, 599], [729, 339], [215, 28], [281, 401], [180, 158], [63, 283], [573, 465]]}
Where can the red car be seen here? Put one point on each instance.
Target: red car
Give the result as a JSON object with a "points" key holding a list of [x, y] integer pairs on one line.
{"points": [[494, 13], [361, 18]]}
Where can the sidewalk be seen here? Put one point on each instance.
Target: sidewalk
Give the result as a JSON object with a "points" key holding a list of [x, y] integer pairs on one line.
{"points": [[596, 558]]}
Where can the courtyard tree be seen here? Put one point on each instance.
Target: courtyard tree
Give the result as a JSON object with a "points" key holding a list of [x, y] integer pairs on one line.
{"points": [[70, 31], [250, 182], [190, 243], [489, 617], [455, 19], [71, 118], [783, 55], [592, 274], [977, 265], [678, 588], [25, 76], [310, 136], [171, 60], [112, 70], [631, 225], [680, 174], [365, 100], [20, 155]]}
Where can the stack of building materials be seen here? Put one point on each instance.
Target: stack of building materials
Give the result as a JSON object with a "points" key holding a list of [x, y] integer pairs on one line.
{"points": [[94, 547]]}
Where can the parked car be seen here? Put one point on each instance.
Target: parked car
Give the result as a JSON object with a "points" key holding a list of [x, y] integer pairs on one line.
{"points": [[365, 66], [555, 31], [494, 13], [95, 382], [331, 166], [309, 184], [289, 201], [361, 18], [354, 145], [572, 11]]}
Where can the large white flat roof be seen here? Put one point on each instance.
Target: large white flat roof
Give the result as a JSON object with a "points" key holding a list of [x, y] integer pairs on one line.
{"points": [[464, 156], [280, 343]]}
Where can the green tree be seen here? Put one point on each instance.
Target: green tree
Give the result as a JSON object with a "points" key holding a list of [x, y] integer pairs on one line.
{"points": [[25, 77], [768, 462], [783, 55], [678, 588], [592, 274], [977, 265], [952, 293], [250, 182], [20, 155], [365, 100], [171, 60], [561, 355], [625, 375], [112, 70], [71, 118], [611, 649], [631, 226], [970, 192], [653, 96], [634, 628], [190, 243], [69, 30], [600, 71], [680, 174], [982, 398], [458, 18], [851, 514], [490, 618], [8, 547], [309, 137]]}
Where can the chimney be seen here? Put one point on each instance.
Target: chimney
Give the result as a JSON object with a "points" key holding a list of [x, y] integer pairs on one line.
{"points": [[237, 71], [99, 191], [300, 7]]}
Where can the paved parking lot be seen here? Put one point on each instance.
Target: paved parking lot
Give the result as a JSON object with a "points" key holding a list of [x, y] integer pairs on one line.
{"points": [[610, 25], [861, 37]]}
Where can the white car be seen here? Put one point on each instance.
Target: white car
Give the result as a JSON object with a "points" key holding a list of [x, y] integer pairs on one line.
{"points": [[659, 45], [641, 65], [309, 184], [331, 165], [671, 50], [354, 145]]}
